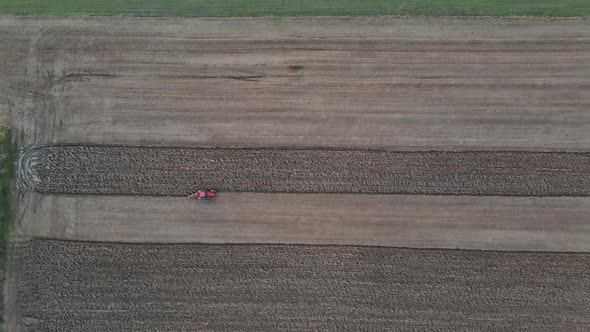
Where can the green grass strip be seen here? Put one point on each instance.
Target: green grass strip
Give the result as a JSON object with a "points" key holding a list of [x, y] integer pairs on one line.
{"points": [[5, 182], [549, 8]]}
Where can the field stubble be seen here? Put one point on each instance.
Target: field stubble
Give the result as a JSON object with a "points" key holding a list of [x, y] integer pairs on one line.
{"points": [[364, 83]]}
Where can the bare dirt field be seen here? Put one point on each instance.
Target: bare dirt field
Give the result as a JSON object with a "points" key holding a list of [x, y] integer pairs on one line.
{"points": [[396, 84], [124, 170], [469, 222], [392, 83], [74, 286]]}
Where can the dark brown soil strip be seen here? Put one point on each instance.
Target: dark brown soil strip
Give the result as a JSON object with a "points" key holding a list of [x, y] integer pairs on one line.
{"points": [[178, 171], [76, 286]]}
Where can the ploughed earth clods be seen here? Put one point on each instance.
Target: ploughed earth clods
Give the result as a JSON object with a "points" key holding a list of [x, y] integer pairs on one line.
{"points": [[178, 171], [78, 286]]}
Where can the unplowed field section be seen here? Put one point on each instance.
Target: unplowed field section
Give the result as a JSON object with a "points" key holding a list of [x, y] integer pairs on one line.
{"points": [[178, 171], [414, 221], [75, 286], [364, 83]]}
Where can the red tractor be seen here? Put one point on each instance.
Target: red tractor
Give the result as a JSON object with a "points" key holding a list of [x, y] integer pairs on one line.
{"points": [[203, 195]]}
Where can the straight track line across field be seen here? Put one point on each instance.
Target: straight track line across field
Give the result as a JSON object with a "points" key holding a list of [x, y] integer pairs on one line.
{"points": [[270, 245]]}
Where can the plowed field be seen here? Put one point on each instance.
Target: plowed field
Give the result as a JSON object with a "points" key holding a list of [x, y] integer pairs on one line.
{"points": [[178, 171], [76, 286]]}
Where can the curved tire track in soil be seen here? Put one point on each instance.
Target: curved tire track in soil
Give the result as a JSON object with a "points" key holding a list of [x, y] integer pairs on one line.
{"points": [[160, 171], [28, 168]]}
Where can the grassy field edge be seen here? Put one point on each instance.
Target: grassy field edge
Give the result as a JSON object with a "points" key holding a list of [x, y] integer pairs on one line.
{"points": [[6, 158], [241, 8], [5, 183]]}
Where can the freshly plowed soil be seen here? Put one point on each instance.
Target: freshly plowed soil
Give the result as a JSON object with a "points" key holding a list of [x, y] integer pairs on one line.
{"points": [[77, 286], [178, 171]]}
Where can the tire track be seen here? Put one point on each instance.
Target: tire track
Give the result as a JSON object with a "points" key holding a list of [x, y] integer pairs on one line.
{"points": [[27, 168], [127, 170]]}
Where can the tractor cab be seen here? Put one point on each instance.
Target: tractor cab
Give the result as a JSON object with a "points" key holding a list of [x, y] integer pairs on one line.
{"points": [[206, 195]]}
